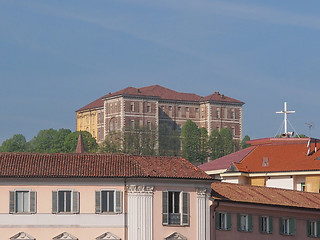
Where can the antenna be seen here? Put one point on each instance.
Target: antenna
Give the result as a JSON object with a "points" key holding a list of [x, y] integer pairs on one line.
{"points": [[286, 112]]}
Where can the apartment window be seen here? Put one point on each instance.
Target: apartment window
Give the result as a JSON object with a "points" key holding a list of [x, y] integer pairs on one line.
{"points": [[232, 114], [266, 224], [22, 201], [132, 124], [225, 113], [313, 228], [170, 111], [108, 201], [245, 223], [65, 201], [223, 221], [132, 107], [148, 107], [233, 131], [162, 110], [187, 112], [179, 111], [175, 208], [217, 113], [197, 112], [287, 226], [149, 125]]}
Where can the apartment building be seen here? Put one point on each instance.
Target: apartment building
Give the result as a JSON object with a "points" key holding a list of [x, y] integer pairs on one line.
{"points": [[153, 105], [102, 196]]}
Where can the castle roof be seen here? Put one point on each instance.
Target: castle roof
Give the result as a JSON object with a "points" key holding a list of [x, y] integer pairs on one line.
{"points": [[73, 165], [162, 93]]}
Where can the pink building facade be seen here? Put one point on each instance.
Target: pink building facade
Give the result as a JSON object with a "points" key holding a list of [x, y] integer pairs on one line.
{"points": [[250, 212], [102, 196]]}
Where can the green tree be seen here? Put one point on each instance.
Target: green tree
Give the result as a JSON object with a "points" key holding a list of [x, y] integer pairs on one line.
{"points": [[227, 141], [71, 141], [301, 136], [15, 144], [112, 143], [203, 144], [140, 140], [244, 143], [44, 141], [169, 140], [190, 137], [215, 145]]}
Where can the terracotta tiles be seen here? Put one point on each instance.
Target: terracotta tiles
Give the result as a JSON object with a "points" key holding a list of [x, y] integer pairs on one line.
{"points": [[96, 165], [160, 92], [264, 195]]}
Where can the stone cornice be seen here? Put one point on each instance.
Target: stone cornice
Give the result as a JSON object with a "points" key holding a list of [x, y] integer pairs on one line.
{"points": [[140, 189]]}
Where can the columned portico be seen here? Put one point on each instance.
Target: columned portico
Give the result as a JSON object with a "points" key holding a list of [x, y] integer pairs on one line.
{"points": [[203, 196], [140, 201]]}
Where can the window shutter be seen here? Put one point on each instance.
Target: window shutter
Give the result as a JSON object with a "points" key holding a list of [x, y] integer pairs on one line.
{"points": [[292, 226], [12, 201], [250, 223], [98, 202], [75, 201], [318, 228], [118, 202], [238, 222], [270, 225], [281, 226], [260, 224], [54, 201], [33, 202], [229, 223], [185, 208], [308, 228], [165, 208], [217, 220]]}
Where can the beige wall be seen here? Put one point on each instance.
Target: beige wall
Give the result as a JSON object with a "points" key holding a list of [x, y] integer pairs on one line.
{"points": [[313, 183], [258, 181]]}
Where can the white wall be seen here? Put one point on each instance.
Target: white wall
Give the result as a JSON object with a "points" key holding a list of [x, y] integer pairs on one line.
{"points": [[285, 182]]}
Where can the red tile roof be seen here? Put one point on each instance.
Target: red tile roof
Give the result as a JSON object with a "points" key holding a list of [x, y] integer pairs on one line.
{"points": [[280, 158], [36, 165], [161, 93], [224, 162], [265, 195], [217, 97]]}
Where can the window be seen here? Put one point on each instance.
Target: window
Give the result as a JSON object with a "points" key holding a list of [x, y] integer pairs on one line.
{"points": [[225, 113], [303, 187], [232, 114], [148, 107], [132, 124], [162, 110], [245, 223], [223, 221], [217, 113], [175, 208], [179, 111], [149, 125], [108, 201], [313, 228], [23, 201], [132, 107], [197, 112], [187, 112], [233, 131], [65, 201], [287, 226], [266, 224], [170, 111]]}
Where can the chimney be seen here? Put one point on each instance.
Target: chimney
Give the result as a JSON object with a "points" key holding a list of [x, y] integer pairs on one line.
{"points": [[80, 145]]}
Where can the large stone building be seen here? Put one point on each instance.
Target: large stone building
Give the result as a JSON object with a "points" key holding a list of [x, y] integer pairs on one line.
{"points": [[153, 105]]}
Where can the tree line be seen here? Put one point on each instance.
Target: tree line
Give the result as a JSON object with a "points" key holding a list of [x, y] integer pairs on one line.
{"points": [[191, 142]]}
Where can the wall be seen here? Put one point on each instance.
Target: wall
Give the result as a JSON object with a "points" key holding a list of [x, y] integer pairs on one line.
{"points": [[312, 183], [258, 181], [285, 182], [301, 217]]}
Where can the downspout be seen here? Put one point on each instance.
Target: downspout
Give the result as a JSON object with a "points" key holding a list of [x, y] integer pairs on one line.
{"points": [[125, 212], [214, 215]]}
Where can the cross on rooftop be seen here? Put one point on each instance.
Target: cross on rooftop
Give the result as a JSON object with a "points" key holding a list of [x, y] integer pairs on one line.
{"points": [[285, 111]]}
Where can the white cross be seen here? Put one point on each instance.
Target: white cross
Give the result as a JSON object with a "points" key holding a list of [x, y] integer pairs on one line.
{"points": [[285, 117]]}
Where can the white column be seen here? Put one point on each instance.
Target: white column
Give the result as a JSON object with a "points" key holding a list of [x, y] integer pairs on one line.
{"points": [[140, 212], [203, 214]]}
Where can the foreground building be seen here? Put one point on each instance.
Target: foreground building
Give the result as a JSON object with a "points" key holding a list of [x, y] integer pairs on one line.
{"points": [[250, 212], [154, 105], [289, 163], [102, 196]]}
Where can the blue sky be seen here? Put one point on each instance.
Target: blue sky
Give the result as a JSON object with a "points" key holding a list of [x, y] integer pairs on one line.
{"points": [[57, 56]]}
